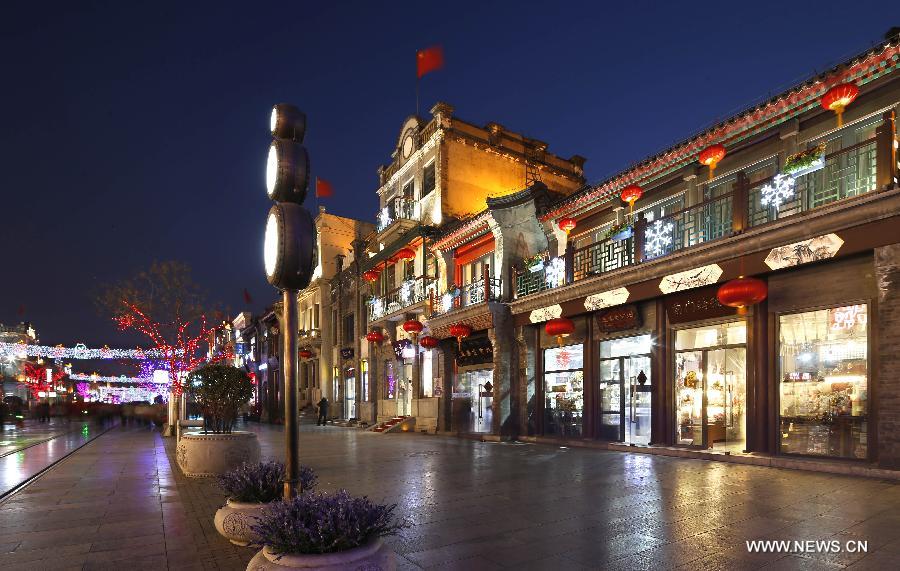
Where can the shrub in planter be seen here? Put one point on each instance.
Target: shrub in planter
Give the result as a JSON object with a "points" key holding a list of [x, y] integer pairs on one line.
{"points": [[325, 531], [219, 391], [250, 487]]}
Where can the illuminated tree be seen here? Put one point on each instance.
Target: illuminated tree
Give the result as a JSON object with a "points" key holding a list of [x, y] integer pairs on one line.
{"points": [[36, 376], [166, 306]]}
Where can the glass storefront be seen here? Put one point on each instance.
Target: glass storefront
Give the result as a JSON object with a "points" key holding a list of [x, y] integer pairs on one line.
{"points": [[472, 401], [564, 390], [823, 372], [625, 390], [349, 393], [711, 386]]}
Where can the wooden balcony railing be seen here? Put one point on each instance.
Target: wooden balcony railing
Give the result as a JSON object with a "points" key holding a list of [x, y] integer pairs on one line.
{"points": [[409, 293], [846, 173]]}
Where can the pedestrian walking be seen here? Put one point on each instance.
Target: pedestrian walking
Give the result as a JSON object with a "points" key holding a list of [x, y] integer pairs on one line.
{"points": [[323, 412]]}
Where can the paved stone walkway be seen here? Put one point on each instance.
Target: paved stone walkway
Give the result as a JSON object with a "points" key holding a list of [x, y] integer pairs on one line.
{"points": [[120, 502]]}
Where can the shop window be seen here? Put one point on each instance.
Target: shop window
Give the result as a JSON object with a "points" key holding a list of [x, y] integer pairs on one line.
{"points": [[428, 179], [823, 371], [348, 329], [390, 379], [711, 386], [364, 369], [427, 373], [564, 390]]}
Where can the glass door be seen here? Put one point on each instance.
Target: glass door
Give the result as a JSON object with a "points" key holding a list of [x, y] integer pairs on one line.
{"points": [[625, 390], [726, 389], [611, 400], [689, 393], [636, 375], [349, 397]]}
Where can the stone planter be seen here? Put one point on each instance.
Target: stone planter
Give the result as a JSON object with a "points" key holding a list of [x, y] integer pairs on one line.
{"points": [[203, 455], [233, 521], [374, 556]]}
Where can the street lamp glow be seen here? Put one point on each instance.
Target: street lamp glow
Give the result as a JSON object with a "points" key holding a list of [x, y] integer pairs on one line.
{"points": [[270, 245], [271, 168]]}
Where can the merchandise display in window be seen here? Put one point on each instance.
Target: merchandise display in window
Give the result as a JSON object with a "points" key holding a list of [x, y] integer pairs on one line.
{"points": [[824, 382], [711, 386]]}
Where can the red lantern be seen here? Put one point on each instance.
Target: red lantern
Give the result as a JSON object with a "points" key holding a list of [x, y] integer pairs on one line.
{"points": [[305, 353], [460, 331], [413, 326], [374, 337], [371, 275], [631, 194], [405, 254], [742, 292], [838, 98], [711, 156], [567, 224], [560, 327], [428, 342]]}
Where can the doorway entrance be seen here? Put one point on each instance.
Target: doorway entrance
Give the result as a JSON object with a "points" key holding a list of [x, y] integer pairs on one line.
{"points": [[625, 380], [473, 401], [349, 393], [711, 386]]}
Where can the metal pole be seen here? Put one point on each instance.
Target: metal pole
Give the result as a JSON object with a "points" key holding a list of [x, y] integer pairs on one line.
{"points": [[291, 413]]}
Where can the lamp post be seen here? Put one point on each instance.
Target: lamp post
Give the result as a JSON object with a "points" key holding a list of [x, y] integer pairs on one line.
{"points": [[288, 254]]}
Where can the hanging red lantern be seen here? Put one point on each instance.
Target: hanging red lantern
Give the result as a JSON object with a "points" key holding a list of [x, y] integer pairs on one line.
{"points": [[838, 98], [428, 342], [413, 326], [742, 292], [305, 353], [559, 328], [371, 275], [631, 194], [711, 156], [405, 254], [375, 337], [460, 331], [567, 224]]}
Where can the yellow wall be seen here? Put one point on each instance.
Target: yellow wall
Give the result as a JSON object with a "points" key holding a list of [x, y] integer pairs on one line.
{"points": [[474, 174]]}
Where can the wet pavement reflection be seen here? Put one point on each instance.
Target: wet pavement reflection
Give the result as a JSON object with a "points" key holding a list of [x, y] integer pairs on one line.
{"points": [[121, 502], [27, 449]]}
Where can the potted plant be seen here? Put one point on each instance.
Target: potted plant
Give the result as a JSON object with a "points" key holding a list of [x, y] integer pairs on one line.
{"points": [[250, 487], [325, 531], [219, 390]]}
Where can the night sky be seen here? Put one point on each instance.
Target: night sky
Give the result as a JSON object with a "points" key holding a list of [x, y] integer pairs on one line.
{"points": [[132, 134]]}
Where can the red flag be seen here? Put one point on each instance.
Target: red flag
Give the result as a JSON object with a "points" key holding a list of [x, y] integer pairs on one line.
{"points": [[22, 309], [323, 188], [428, 60], [247, 299]]}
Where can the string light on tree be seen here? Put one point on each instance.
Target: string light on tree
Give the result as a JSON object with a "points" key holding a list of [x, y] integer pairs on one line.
{"points": [[658, 238], [779, 191]]}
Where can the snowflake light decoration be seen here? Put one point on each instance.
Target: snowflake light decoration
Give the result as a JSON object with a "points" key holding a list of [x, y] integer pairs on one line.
{"points": [[555, 272], [377, 307], [658, 238], [406, 292], [384, 218], [777, 193]]}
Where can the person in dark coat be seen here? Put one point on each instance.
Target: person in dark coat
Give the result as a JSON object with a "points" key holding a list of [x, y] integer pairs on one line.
{"points": [[323, 412]]}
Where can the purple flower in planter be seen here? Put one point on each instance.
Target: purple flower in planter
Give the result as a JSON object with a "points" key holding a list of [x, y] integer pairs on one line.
{"points": [[317, 522], [262, 482]]}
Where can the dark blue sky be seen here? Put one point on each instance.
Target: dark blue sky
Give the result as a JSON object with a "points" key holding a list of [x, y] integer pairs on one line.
{"points": [[139, 133]]}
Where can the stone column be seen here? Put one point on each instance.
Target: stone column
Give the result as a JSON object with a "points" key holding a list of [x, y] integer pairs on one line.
{"points": [[887, 357], [502, 339], [448, 370]]}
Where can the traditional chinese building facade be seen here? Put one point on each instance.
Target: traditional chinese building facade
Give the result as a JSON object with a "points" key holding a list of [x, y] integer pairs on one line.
{"points": [[665, 342]]}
